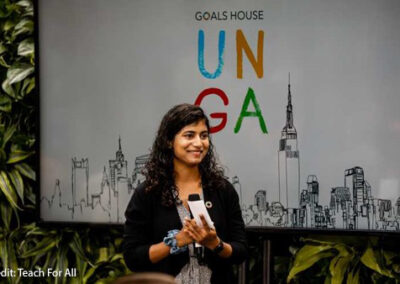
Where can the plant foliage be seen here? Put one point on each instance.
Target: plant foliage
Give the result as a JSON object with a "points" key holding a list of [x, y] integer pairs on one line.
{"points": [[95, 254], [345, 259]]}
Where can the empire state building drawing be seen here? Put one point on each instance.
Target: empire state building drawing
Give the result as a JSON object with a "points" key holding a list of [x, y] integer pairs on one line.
{"points": [[289, 161]]}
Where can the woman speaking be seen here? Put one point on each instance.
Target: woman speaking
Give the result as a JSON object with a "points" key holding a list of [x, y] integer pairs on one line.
{"points": [[159, 232]]}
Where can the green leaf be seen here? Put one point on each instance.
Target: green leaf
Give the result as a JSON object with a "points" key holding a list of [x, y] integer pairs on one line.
{"points": [[2, 48], [369, 260], [41, 248], [389, 256], [31, 85], [7, 189], [18, 155], [118, 242], [9, 259], [103, 255], [3, 155], [8, 134], [18, 183], [307, 256], [26, 170], [25, 3], [29, 194], [17, 88], [6, 213], [328, 279], [81, 266], [8, 88], [3, 62], [26, 47], [353, 277], [46, 264], [28, 7], [8, 25], [342, 249], [76, 246], [37, 231], [396, 267], [4, 13], [5, 103], [338, 267], [16, 216], [117, 256], [89, 273], [24, 26], [62, 263], [19, 72], [4, 253], [20, 140], [12, 258], [28, 85]]}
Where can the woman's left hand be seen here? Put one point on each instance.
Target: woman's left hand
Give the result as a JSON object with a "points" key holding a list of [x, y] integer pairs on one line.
{"points": [[204, 235]]}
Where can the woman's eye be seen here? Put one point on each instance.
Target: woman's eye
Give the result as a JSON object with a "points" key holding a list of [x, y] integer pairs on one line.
{"points": [[204, 136]]}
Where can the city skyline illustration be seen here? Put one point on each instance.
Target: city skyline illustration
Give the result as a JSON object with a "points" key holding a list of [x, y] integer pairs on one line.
{"points": [[109, 202], [351, 206]]}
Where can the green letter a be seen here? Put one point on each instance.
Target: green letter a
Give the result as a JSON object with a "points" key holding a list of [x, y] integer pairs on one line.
{"points": [[250, 96]]}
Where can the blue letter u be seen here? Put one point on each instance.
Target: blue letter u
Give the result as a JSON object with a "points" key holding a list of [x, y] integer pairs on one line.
{"points": [[221, 46]]}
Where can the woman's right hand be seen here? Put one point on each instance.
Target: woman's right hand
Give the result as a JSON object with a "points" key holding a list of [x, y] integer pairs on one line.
{"points": [[183, 238]]}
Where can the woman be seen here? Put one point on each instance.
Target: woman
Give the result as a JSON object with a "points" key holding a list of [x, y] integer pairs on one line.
{"points": [[158, 230]]}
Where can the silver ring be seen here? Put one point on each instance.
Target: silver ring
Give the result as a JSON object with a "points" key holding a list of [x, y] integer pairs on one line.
{"points": [[208, 204]]}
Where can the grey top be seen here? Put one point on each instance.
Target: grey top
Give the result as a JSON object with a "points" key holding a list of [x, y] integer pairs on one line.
{"points": [[192, 272]]}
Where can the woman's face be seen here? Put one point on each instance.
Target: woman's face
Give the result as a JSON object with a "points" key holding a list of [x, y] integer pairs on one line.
{"points": [[191, 144]]}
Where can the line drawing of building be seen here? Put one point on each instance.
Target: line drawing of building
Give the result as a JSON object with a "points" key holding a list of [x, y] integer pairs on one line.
{"points": [[140, 162], [289, 160], [118, 168], [340, 205], [110, 201], [238, 187], [79, 168], [362, 198]]}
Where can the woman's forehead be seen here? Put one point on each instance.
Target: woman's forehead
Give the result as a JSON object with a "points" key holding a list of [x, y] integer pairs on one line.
{"points": [[199, 125]]}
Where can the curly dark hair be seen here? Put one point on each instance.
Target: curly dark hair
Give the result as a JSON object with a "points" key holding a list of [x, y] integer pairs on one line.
{"points": [[159, 170]]}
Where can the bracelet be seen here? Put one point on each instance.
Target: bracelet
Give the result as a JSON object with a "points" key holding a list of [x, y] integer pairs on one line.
{"points": [[219, 247], [170, 240]]}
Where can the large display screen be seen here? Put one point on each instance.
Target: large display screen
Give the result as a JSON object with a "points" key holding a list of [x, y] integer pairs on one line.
{"points": [[303, 98]]}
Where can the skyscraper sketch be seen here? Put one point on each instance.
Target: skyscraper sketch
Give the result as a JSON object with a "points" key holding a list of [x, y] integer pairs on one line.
{"points": [[351, 207], [80, 181], [112, 197], [289, 160]]}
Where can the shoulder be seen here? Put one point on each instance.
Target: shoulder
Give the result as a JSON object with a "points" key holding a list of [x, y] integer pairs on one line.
{"points": [[225, 189], [141, 202], [140, 195], [141, 189], [139, 192]]}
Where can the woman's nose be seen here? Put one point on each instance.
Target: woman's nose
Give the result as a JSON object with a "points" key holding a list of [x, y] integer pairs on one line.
{"points": [[197, 141]]}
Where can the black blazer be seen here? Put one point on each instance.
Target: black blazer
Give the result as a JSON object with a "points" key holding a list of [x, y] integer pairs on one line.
{"points": [[147, 223]]}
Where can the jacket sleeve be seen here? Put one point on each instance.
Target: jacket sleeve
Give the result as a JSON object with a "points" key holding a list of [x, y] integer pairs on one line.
{"points": [[137, 231], [238, 239]]}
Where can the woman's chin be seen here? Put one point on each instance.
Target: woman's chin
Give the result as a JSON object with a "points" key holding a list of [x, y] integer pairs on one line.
{"points": [[193, 162]]}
